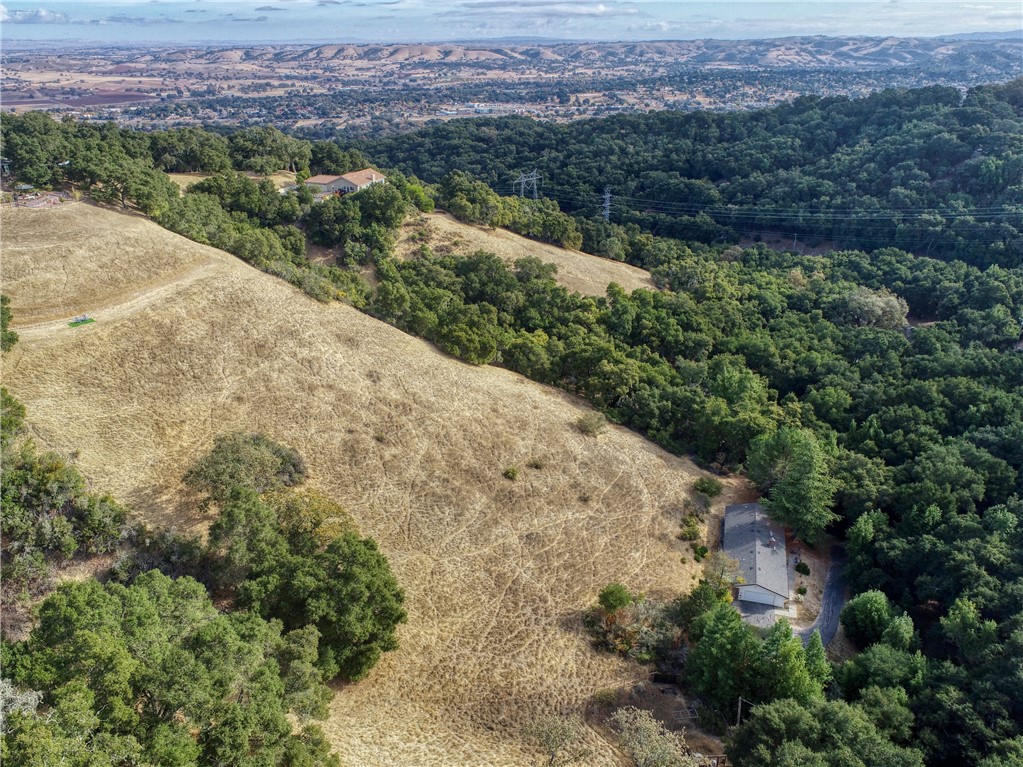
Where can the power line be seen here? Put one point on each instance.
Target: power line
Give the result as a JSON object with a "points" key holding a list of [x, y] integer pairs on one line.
{"points": [[838, 214], [873, 227], [874, 236]]}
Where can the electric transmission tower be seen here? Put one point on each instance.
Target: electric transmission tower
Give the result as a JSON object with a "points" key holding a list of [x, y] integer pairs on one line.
{"points": [[606, 210], [526, 184]]}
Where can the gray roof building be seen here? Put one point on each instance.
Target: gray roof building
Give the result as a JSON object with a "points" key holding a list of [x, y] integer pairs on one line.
{"points": [[758, 544]]}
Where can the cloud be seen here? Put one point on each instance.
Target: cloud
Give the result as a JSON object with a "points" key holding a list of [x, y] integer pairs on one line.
{"points": [[254, 19], [656, 27], [540, 8], [35, 16], [123, 18], [269, 8]]}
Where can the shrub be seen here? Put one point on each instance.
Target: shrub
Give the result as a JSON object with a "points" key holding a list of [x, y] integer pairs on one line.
{"points": [[709, 486], [698, 504], [174, 554], [591, 424], [690, 528], [26, 575], [605, 697], [535, 463], [557, 736], [45, 505], [249, 461], [647, 741], [652, 632], [699, 552], [614, 596], [801, 591], [802, 568], [511, 473], [7, 337]]}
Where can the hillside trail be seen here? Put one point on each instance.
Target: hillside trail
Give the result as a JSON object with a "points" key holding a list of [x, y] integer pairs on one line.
{"points": [[120, 309]]}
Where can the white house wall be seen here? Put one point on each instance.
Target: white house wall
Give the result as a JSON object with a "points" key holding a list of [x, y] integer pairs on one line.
{"points": [[760, 596]]}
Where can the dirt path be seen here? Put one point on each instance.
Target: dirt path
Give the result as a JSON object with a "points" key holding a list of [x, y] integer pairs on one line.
{"points": [[117, 309]]}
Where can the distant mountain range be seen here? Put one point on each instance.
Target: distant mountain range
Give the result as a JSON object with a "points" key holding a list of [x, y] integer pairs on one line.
{"points": [[982, 49], [1013, 34]]}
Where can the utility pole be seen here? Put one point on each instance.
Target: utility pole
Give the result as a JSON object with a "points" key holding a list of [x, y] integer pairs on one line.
{"points": [[738, 714], [607, 204]]}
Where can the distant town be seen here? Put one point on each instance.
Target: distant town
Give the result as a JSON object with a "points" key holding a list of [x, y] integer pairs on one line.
{"points": [[372, 90]]}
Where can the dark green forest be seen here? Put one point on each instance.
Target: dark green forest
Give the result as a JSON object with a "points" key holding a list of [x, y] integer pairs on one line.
{"points": [[931, 171], [872, 392]]}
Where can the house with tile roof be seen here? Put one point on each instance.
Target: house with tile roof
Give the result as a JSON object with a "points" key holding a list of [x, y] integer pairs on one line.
{"points": [[346, 183]]}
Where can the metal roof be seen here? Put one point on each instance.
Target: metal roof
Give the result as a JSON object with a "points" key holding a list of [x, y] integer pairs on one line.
{"points": [[758, 544]]}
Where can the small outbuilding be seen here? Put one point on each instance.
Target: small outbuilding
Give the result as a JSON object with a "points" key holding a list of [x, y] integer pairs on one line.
{"points": [[757, 543]]}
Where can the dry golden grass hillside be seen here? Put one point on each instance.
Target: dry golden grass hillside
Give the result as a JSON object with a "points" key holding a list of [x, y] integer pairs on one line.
{"points": [[577, 271], [280, 179], [189, 343]]}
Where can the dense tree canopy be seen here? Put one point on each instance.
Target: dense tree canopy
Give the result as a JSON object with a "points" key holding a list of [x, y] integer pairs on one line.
{"points": [[296, 557], [152, 673], [823, 734], [929, 170], [794, 469]]}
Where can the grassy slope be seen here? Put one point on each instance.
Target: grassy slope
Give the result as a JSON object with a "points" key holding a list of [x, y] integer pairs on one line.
{"points": [[577, 271], [190, 342]]}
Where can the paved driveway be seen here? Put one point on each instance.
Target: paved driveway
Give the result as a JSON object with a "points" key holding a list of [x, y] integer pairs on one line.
{"points": [[832, 600]]}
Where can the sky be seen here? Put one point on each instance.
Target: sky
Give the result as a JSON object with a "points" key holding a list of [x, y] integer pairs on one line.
{"points": [[318, 21]]}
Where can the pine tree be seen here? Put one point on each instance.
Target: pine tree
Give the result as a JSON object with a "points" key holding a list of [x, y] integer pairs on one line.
{"points": [[817, 660]]}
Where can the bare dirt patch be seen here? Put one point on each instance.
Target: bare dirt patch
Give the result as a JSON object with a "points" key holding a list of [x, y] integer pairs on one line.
{"points": [[185, 180], [577, 271], [819, 561], [189, 343]]}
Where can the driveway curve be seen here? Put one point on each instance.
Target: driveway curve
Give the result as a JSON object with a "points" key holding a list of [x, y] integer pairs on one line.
{"points": [[832, 600]]}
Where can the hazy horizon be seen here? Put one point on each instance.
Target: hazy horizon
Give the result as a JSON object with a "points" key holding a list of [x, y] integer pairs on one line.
{"points": [[212, 22]]}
